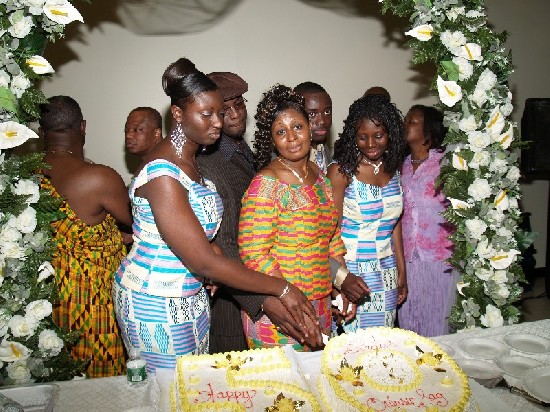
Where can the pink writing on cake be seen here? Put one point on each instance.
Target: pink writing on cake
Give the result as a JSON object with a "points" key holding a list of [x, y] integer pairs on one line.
{"points": [[422, 401], [210, 395], [362, 348]]}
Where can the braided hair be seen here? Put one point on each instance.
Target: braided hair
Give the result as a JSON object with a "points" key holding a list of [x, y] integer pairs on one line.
{"points": [[276, 100], [382, 112]]}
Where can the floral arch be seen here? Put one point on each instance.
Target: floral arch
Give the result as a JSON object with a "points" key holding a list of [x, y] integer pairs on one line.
{"points": [[480, 176]]}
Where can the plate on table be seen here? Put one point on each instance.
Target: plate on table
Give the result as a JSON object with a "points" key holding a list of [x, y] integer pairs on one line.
{"points": [[537, 382], [516, 366], [527, 343], [485, 373], [484, 348]]}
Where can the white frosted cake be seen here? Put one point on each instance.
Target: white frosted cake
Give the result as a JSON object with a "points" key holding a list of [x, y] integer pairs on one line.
{"points": [[384, 369], [254, 380]]}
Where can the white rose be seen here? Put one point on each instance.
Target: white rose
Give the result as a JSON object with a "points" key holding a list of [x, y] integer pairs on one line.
{"points": [[26, 221], [4, 319], [465, 68], [11, 250], [507, 108], [484, 249], [481, 158], [454, 12], [35, 6], [487, 80], [476, 227], [513, 174], [498, 165], [28, 187], [505, 233], [22, 326], [4, 79], [49, 342], [479, 97], [478, 140], [513, 203], [492, 318], [19, 372], [453, 40], [20, 25], [45, 270], [495, 216], [19, 84], [500, 276], [10, 234], [503, 291], [484, 274], [468, 124], [479, 189], [38, 309]]}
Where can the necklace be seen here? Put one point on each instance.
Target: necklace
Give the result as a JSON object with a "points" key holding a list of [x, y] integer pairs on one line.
{"points": [[63, 151], [418, 161], [196, 170], [376, 166], [294, 172]]}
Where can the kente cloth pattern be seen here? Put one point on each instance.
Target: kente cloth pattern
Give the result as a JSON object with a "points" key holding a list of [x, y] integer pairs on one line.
{"points": [[293, 228], [163, 328], [85, 260], [162, 306], [151, 267], [263, 334], [369, 216]]}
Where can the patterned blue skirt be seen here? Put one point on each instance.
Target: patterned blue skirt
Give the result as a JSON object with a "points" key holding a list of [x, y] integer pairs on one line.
{"points": [[162, 328]]}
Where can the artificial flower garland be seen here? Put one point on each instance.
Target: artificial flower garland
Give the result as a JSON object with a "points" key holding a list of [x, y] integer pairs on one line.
{"points": [[32, 347], [480, 175]]}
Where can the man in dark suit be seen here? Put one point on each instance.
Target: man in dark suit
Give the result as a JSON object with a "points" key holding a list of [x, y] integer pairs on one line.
{"points": [[230, 165]]}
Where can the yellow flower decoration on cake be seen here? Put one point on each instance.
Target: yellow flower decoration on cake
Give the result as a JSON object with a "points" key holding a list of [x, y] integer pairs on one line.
{"points": [[283, 404], [231, 362], [349, 373]]}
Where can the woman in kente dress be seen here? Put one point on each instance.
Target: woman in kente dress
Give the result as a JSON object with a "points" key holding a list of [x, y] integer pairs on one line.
{"points": [[369, 198], [289, 225], [160, 298]]}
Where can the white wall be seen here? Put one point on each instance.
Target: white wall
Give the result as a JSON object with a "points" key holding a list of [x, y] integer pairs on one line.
{"points": [[110, 70]]}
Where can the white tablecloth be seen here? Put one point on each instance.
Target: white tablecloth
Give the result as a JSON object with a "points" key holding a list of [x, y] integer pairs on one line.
{"points": [[114, 394]]}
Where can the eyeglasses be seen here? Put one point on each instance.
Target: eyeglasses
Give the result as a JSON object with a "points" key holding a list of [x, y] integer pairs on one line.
{"points": [[237, 106]]}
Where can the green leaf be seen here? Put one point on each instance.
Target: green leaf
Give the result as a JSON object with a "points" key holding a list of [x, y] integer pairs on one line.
{"points": [[7, 100], [451, 69]]}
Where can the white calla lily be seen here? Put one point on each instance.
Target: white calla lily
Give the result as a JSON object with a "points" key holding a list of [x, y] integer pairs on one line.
{"points": [[13, 351], [62, 12], [459, 204], [13, 134], [423, 32], [39, 65], [506, 138], [462, 285], [459, 163], [449, 92], [470, 51], [501, 259], [501, 201], [496, 123]]}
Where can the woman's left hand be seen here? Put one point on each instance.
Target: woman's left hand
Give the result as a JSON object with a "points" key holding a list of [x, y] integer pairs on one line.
{"points": [[402, 291]]}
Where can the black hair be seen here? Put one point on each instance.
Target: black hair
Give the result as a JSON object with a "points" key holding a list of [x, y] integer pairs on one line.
{"points": [[60, 113], [434, 131], [381, 111], [152, 114], [309, 87], [276, 100], [182, 80]]}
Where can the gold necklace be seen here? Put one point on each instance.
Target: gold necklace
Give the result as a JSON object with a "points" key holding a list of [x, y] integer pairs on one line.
{"points": [[376, 166], [294, 172]]}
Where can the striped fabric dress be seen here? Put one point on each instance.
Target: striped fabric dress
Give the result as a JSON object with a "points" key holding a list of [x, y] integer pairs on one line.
{"points": [[162, 307], [292, 228], [370, 214]]}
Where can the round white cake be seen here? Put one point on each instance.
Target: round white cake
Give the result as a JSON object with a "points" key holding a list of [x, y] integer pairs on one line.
{"points": [[385, 369]]}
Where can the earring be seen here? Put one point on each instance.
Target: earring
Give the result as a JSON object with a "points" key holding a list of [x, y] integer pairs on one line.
{"points": [[177, 138]]}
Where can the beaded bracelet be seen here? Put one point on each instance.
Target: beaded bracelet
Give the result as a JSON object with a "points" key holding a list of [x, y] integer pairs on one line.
{"points": [[285, 291]]}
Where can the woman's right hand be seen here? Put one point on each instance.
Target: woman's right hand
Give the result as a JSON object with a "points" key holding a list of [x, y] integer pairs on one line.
{"points": [[298, 305]]}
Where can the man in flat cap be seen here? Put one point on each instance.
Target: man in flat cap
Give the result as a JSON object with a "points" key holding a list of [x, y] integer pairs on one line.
{"points": [[230, 165]]}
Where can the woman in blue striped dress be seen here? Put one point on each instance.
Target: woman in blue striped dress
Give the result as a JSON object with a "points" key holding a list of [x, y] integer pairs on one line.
{"points": [[160, 300], [368, 194]]}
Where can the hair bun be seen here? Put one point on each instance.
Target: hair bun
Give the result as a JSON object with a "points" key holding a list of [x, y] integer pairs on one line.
{"points": [[175, 72]]}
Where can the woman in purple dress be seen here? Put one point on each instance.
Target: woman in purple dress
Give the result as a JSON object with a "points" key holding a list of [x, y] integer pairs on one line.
{"points": [[425, 231]]}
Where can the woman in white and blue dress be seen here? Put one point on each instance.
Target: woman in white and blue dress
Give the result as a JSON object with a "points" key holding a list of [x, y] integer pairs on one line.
{"points": [[367, 192], [160, 299]]}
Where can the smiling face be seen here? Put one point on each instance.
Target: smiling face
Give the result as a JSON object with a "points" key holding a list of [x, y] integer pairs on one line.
{"points": [[201, 118], [234, 121], [318, 106], [140, 132], [290, 134], [372, 140]]}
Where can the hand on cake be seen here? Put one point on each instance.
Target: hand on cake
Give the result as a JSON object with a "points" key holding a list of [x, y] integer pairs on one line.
{"points": [[283, 320]]}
